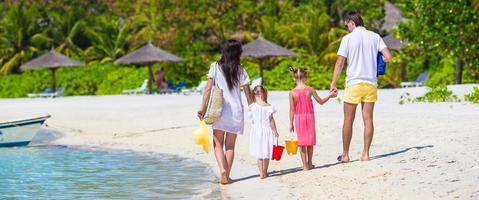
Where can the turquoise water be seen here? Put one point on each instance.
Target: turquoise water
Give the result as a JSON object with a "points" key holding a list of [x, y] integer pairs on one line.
{"points": [[59, 172]]}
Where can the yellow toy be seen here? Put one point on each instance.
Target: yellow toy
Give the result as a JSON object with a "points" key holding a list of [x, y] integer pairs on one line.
{"points": [[202, 137]]}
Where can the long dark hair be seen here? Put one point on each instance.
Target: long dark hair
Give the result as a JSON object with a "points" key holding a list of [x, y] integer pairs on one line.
{"points": [[230, 62]]}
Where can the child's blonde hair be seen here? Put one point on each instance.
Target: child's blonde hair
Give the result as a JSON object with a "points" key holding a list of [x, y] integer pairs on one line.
{"points": [[299, 73], [261, 90]]}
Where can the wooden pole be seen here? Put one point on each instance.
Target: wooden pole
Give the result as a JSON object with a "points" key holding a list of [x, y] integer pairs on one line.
{"points": [[54, 83], [261, 63], [150, 80]]}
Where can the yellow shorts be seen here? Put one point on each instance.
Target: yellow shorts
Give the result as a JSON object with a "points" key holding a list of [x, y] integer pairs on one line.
{"points": [[360, 92]]}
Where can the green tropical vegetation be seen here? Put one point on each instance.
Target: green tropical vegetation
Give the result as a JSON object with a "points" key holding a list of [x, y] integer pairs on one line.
{"points": [[433, 95], [473, 96], [442, 39]]}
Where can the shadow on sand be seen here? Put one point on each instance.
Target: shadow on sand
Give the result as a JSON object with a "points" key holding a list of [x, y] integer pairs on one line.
{"points": [[297, 169]]}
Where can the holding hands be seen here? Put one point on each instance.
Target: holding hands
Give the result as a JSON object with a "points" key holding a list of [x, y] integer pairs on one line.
{"points": [[333, 91]]}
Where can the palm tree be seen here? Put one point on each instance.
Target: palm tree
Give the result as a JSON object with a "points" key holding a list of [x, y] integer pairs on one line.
{"points": [[22, 34], [328, 55], [147, 22], [68, 23], [475, 5], [109, 38]]}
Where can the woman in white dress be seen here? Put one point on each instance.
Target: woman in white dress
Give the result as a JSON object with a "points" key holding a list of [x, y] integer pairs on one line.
{"points": [[229, 75], [263, 129]]}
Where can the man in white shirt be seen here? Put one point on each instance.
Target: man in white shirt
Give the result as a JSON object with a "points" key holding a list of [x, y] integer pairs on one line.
{"points": [[360, 47]]}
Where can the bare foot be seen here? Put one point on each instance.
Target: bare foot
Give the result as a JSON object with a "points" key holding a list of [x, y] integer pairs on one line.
{"points": [[230, 180], [365, 157], [311, 166], [305, 168], [223, 178], [343, 158]]}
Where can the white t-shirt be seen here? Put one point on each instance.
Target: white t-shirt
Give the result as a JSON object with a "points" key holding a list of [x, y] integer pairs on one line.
{"points": [[232, 117], [361, 48]]}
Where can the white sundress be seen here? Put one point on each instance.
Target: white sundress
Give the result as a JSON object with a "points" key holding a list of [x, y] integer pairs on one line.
{"points": [[262, 136], [232, 115]]}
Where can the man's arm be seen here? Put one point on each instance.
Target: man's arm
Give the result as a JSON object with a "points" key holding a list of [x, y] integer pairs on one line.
{"points": [[337, 71], [387, 56]]}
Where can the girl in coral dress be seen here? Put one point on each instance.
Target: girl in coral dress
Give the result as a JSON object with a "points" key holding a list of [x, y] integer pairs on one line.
{"points": [[302, 115]]}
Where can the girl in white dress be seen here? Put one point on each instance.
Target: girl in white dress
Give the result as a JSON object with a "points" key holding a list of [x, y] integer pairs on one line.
{"points": [[263, 129], [229, 75]]}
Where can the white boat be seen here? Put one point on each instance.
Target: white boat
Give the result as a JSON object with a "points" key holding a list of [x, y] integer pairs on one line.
{"points": [[20, 132]]}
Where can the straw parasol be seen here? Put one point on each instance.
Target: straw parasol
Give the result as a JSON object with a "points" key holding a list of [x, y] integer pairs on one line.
{"points": [[393, 43], [51, 60], [392, 16], [263, 49], [148, 55]]}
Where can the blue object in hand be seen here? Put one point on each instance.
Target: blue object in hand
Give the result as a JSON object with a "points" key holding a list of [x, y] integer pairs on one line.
{"points": [[381, 65]]}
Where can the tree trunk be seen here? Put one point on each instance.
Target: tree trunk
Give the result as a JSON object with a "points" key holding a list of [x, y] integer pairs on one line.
{"points": [[459, 68], [403, 71], [150, 80], [54, 82]]}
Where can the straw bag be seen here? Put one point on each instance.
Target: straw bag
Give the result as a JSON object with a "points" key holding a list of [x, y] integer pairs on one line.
{"points": [[215, 103]]}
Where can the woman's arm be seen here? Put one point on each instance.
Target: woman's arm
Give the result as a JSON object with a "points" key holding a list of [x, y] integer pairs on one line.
{"points": [[272, 123], [291, 112], [317, 98], [248, 94], [204, 102]]}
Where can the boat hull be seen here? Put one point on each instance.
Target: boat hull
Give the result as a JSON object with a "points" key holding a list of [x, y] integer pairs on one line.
{"points": [[21, 132]]}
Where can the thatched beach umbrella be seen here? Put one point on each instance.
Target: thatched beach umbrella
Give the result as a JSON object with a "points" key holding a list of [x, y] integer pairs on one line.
{"points": [[263, 49], [51, 60], [393, 43], [148, 55]]}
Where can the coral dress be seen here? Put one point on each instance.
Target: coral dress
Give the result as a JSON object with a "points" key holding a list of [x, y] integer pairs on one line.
{"points": [[304, 117]]}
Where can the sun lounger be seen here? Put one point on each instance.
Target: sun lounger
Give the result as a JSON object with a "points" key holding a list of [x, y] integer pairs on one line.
{"points": [[48, 94], [143, 89], [46, 91], [178, 88], [256, 81], [198, 89], [58, 93], [420, 81]]}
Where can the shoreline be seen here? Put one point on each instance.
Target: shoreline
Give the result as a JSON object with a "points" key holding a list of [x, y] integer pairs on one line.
{"points": [[49, 136], [421, 149]]}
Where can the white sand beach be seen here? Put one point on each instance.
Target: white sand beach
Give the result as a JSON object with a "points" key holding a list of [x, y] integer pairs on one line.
{"points": [[419, 151]]}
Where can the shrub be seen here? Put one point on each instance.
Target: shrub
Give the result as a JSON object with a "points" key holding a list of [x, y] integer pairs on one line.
{"points": [[473, 96], [436, 94]]}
